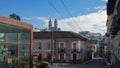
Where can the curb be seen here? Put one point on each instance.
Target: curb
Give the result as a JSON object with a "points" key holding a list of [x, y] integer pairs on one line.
{"points": [[88, 61], [107, 63]]}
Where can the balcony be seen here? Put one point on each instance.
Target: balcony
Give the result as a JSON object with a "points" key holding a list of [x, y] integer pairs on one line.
{"points": [[115, 25], [118, 8], [110, 6], [74, 51], [61, 50]]}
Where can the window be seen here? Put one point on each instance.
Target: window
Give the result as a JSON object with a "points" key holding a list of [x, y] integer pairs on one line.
{"points": [[2, 53], [25, 38], [12, 38], [62, 45], [13, 50], [49, 46], [2, 37], [40, 46], [118, 8], [74, 45]]}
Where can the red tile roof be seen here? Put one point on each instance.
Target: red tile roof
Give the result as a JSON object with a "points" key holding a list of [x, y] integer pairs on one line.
{"points": [[56, 34]]}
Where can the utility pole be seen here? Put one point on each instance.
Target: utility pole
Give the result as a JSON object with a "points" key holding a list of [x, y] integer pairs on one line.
{"points": [[51, 47]]}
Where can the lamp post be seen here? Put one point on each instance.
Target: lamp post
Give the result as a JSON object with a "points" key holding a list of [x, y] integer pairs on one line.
{"points": [[51, 47]]}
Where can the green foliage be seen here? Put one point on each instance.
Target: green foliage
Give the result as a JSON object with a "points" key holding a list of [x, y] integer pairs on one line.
{"points": [[14, 16]]}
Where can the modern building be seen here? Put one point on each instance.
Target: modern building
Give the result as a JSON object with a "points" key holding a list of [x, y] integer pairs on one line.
{"points": [[16, 39], [113, 32]]}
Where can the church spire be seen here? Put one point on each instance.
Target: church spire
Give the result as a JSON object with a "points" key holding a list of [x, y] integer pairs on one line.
{"points": [[55, 24], [50, 24]]}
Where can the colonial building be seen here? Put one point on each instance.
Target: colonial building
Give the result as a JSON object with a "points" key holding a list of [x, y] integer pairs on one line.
{"points": [[63, 46], [113, 32], [95, 38]]}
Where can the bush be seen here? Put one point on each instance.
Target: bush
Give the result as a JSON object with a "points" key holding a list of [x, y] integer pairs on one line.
{"points": [[43, 64]]}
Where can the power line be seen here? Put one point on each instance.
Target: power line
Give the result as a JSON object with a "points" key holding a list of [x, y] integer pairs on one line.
{"points": [[52, 31], [68, 11], [59, 13], [55, 9], [66, 8]]}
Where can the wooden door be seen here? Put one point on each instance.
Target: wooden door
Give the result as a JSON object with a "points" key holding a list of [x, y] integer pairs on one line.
{"points": [[61, 56]]}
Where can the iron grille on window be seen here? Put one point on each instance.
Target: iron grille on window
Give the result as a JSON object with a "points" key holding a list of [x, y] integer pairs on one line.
{"points": [[74, 50], [61, 50]]}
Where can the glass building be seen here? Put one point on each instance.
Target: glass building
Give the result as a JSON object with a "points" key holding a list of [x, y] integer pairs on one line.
{"points": [[16, 39]]}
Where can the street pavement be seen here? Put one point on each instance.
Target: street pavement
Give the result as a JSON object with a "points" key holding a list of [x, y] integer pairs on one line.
{"points": [[94, 63]]}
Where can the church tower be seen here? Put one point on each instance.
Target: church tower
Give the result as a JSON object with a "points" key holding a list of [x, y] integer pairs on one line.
{"points": [[50, 24], [55, 24]]}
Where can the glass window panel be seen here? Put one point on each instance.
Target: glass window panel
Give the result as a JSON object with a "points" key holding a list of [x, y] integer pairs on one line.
{"points": [[2, 53], [25, 55], [13, 38], [25, 38], [13, 51], [2, 37], [6, 28]]}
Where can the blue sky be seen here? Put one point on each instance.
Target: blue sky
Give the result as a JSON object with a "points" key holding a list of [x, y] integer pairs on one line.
{"points": [[38, 12]]}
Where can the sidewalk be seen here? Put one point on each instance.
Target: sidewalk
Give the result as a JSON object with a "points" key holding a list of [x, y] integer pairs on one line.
{"points": [[107, 63], [63, 65], [87, 61]]}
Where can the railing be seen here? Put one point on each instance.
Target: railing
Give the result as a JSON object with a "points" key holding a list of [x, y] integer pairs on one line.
{"points": [[61, 50]]}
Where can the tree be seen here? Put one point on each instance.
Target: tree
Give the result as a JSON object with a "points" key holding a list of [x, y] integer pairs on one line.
{"points": [[14, 16]]}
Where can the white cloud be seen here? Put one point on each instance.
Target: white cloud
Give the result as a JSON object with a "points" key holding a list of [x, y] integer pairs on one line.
{"points": [[100, 8], [41, 19], [105, 0], [87, 9], [28, 18], [93, 22], [45, 20]]}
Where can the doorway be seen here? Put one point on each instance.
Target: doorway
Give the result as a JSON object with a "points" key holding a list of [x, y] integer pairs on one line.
{"points": [[74, 58]]}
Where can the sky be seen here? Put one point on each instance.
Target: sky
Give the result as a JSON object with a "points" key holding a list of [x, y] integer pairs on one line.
{"points": [[72, 15]]}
